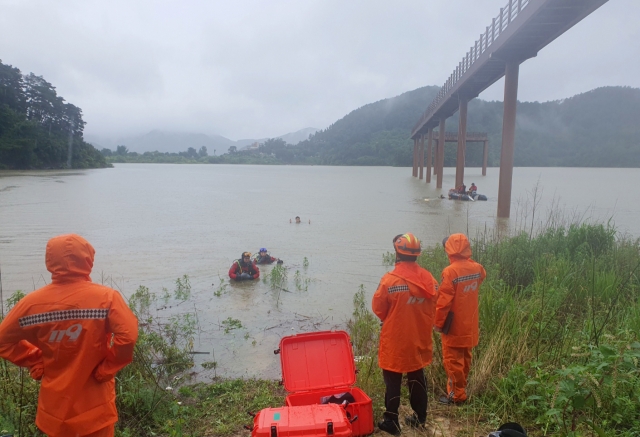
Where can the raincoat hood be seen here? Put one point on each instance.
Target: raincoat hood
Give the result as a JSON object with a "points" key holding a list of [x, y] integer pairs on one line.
{"points": [[69, 258], [416, 275], [458, 247]]}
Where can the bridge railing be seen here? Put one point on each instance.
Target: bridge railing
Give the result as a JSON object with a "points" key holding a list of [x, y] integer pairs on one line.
{"points": [[498, 25]]}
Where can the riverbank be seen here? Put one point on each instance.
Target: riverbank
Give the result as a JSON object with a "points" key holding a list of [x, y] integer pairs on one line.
{"points": [[558, 352]]}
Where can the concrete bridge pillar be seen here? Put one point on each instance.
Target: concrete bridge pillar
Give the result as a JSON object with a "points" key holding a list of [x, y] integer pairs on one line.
{"points": [[421, 155], [429, 147], [508, 138], [435, 156], [462, 141], [441, 143], [415, 147], [485, 156]]}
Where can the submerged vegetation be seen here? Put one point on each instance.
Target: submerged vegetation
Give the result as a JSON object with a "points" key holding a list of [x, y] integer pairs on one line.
{"points": [[153, 393], [559, 348]]}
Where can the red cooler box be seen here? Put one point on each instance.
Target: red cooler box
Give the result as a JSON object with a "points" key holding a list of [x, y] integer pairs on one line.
{"points": [[319, 364], [303, 421]]}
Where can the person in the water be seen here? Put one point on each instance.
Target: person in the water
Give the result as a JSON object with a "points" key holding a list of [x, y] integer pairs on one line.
{"points": [[263, 257], [298, 221], [243, 268]]}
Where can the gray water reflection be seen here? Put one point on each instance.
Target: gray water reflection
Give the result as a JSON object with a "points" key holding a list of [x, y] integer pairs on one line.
{"points": [[151, 224]]}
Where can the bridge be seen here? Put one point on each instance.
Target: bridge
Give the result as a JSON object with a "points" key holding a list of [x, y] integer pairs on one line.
{"points": [[449, 137], [518, 33]]}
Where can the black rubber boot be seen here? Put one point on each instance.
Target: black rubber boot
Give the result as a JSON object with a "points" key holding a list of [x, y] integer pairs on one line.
{"points": [[449, 401], [413, 421], [390, 426]]}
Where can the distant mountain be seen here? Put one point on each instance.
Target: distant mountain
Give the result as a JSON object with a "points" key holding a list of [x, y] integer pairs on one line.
{"points": [[598, 128], [291, 138], [375, 134], [174, 142], [297, 136]]}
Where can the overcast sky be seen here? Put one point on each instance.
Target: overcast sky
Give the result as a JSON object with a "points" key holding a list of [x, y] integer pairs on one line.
{"points": [[253, 69]]}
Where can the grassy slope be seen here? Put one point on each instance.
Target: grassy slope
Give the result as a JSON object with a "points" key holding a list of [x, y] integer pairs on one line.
{"points": [[559, 349]]}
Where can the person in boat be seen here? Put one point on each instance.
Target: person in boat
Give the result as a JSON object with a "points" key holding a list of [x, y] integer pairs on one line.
{"points": [[457, 315], [405, 302], [461, 189], [263, 257], [74, 336], [473, 189], [244, 268]]}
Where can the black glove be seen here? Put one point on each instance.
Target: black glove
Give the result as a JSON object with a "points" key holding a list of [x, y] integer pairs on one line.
{"points": [[280, 261]]}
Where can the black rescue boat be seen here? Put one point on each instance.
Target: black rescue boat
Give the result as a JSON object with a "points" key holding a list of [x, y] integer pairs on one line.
{"points": [[471, 196]]}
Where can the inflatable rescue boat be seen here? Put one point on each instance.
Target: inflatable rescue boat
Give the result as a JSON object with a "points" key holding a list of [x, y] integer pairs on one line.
{"points": [[454, 195]]}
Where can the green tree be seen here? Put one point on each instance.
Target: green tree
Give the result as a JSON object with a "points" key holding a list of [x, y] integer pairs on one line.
{"points": [[36, 124]]}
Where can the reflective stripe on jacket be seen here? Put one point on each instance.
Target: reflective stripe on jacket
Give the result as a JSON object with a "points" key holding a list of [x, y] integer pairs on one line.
{"points": [[75, 335], [459, 288], [405, 302]]}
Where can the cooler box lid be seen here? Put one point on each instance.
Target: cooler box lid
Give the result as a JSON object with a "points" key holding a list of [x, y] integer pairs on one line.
{"points": [[317, 360]]}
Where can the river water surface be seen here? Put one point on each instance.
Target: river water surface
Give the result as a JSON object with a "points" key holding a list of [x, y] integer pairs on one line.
{"points": [[151, 224]]}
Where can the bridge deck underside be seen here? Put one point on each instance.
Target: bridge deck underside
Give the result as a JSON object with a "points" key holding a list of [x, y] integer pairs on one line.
{"points": [[537, 25]]}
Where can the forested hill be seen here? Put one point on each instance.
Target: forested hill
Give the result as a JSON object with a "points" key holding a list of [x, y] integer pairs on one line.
{"points": [[36, 124], [599, 128], [375, 134]]}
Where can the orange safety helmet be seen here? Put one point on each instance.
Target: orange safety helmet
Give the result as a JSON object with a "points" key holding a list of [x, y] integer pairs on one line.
{"points": [[407, 244]]}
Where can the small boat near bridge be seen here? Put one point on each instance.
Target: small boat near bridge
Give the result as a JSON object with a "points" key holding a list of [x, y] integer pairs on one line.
{"points": [[470, 196]]}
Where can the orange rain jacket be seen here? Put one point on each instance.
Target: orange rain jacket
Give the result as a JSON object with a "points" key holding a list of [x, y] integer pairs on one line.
{"points": [[75, 335], [405, 302], [459, 293]]}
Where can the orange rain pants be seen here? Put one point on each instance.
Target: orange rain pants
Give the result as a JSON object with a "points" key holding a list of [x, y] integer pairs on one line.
{"points": [[457, 362], [109, 431]]}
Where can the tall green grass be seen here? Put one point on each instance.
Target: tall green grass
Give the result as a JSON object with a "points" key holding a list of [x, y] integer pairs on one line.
{"points": [[18, 392], [153, 394], [559, 333], [559, 348]]}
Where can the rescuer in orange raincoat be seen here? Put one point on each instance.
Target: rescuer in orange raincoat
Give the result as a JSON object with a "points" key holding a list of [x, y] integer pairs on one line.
{"points": [[75, 336], [457, 315], [405, 301]]}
